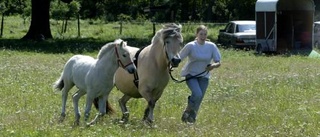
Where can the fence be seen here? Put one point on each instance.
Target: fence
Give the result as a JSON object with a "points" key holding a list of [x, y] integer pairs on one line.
{"points": [[15, 27]]}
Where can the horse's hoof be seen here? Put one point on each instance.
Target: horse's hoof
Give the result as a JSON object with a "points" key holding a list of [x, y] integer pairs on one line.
{"points": [[86, 117], [123, 121], [76, 123], [62, 117], [125, 117], [148, 122]]}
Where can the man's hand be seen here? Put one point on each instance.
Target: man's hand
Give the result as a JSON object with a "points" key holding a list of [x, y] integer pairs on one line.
{"points": [[212, 66]]}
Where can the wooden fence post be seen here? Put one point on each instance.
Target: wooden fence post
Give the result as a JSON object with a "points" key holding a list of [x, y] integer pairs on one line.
{"points": [[79, 25], [120, 27]]}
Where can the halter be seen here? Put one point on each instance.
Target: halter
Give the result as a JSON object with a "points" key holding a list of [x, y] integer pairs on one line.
{"points": [[165, 49], [118, 59]]}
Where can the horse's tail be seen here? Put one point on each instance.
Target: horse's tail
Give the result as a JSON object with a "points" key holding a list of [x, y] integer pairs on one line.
{"points": [[109, 109], [59, 84]]}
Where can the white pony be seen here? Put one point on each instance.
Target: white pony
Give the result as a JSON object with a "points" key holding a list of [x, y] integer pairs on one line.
{"points": [[93, 77], [152, 70]]}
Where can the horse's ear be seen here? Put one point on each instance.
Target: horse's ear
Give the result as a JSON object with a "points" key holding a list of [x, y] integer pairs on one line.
{"points": [[179, 28], [121, 44]]}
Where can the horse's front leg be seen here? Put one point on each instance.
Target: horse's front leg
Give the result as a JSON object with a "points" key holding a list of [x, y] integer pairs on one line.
{"points": [[148, 114], [102, 108], [125, 113], [76, 96]]}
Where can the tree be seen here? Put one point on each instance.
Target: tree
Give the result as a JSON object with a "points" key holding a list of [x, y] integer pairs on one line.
{"points": [[2, 10], [40, 25]]}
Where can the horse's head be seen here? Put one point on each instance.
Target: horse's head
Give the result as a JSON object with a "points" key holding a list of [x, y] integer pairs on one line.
{"points": [[173, 40], [123, 57]]}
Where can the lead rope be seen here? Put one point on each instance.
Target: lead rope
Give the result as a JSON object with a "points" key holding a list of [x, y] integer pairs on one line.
{"points": [[180, 81]]}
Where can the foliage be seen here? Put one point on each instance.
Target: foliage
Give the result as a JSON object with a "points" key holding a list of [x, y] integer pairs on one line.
{"points": [[59, 11], [152, 10], [123, 17], [74, 8], [159, 10], [63, 10], [218, 9], [2, 7]]}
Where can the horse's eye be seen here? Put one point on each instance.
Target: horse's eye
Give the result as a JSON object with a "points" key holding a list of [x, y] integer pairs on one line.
{"points": [[124, 55]]}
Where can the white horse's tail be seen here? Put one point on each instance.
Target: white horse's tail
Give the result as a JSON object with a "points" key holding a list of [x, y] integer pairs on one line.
{"points": [[59, 84]]}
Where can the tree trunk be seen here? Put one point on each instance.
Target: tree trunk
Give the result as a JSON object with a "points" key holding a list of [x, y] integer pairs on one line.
{"points": [[210, 12], [40, 24], [2, 22], [79, 26]]}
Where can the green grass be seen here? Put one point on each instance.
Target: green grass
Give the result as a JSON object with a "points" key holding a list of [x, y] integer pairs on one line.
{"points": [[247, 96]]}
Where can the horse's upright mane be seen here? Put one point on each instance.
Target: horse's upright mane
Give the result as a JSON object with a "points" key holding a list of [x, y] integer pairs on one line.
{"points": [[168, 30], [108, 47]]}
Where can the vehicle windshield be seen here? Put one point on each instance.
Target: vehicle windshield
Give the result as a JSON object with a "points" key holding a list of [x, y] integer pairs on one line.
{"points": [[246, 27]]}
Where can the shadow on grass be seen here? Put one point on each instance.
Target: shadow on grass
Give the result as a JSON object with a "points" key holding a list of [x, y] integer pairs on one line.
{"points": [[65, 45]]}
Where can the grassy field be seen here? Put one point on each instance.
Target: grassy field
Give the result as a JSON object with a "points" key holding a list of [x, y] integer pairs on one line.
{"points": [[248, 96]]}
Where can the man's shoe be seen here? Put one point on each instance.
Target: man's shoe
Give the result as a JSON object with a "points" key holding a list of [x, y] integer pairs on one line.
{"points": [[192, 117], [185, 117]]}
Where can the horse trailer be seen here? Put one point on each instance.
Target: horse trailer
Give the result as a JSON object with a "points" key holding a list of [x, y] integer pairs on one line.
{"points": [[284, 25]]}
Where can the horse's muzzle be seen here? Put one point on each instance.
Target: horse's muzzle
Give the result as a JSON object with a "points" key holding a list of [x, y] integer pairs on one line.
{"points": [[131, 71], [175, 62], [131, 68]]}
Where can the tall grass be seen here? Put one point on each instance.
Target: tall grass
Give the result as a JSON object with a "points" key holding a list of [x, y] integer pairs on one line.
{"points": [[247, 96]]}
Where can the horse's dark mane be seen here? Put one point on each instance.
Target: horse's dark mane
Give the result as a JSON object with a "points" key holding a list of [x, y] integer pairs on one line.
{"points": [[108, 47], [168, 30], [173, 26]]}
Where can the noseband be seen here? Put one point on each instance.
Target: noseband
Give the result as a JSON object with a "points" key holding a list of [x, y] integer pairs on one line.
{"points": [[119, 61]]}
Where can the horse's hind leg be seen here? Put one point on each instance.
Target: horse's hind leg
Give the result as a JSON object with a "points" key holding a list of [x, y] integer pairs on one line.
{"points": [[125, 113], [64, 96]]}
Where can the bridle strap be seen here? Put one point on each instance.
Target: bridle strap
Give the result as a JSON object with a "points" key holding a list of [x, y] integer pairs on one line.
{"points": [[118, 59], [165, 50]]}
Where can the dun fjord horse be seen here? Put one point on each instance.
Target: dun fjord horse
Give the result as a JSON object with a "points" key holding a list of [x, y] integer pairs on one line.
{"points": [[93, 77], [153, 67]]}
